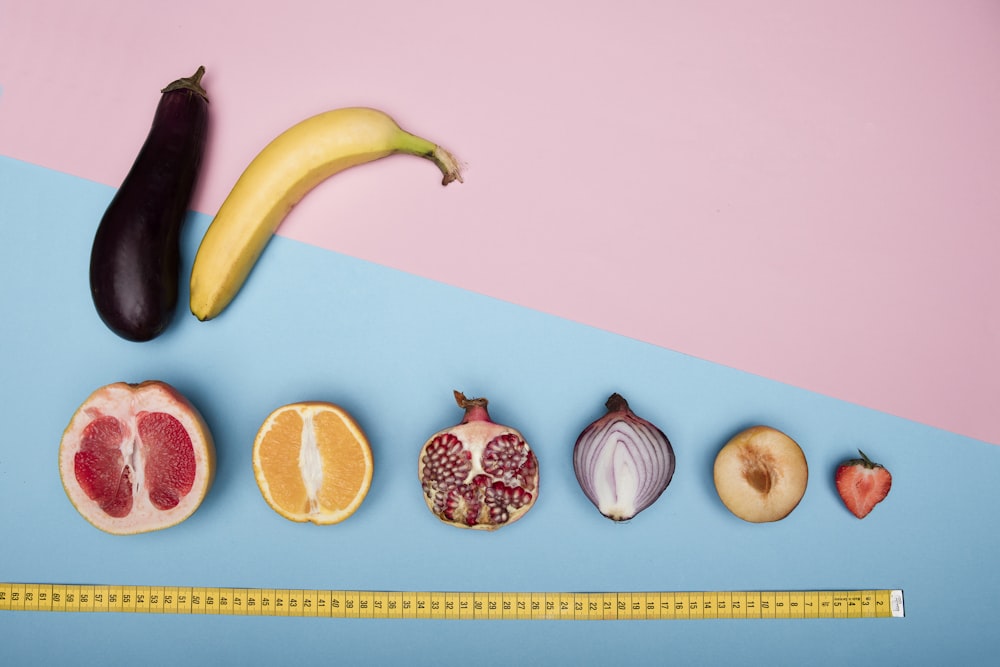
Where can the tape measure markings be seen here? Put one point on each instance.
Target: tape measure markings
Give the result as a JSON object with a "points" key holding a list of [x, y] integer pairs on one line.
{"points": [[882, 603]]}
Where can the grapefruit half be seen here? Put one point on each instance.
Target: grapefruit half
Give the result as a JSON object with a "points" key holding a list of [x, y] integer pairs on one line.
{"points": [[136, 458]]}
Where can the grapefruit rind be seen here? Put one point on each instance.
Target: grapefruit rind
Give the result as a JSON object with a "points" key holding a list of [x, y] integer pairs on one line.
{"points": [[321, 516], [123, 400]]}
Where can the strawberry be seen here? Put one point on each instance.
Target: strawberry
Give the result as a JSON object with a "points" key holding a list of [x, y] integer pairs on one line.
{"points": [[862, 484]]}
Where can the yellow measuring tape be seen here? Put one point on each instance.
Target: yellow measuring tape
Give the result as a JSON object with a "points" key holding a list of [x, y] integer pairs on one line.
{"points": [[452, 605]]}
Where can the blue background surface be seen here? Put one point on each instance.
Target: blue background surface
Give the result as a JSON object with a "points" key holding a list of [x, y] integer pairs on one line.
{"points": [[389, 347]]}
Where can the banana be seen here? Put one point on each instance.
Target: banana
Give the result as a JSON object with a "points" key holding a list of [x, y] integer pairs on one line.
{"points": [[286, 169]]}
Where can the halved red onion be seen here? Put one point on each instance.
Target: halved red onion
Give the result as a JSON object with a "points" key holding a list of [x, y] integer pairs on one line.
{"points": [[623, 462]]}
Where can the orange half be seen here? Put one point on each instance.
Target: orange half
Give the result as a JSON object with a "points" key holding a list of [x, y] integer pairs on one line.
{"points": [[312, 462]]}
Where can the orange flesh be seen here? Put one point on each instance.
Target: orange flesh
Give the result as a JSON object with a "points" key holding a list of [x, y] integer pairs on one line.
{"points": [[339, 451], [279, 457], [314, 463]]}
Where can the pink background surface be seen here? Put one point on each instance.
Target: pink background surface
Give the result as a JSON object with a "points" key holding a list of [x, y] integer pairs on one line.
{"points": [[803, 190]]}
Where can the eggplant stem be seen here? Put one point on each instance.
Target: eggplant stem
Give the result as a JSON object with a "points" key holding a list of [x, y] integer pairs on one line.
{"points": [[192, 83]]}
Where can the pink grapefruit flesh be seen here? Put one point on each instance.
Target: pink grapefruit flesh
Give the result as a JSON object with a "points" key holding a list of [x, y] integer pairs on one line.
{"points": [[136, 458]]}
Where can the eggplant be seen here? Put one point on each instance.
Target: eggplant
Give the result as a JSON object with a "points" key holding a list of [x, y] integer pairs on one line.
{"points": [[135, 259]]}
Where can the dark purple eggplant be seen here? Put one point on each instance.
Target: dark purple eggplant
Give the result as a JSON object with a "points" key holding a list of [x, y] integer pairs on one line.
{"points": [[135, 260]]}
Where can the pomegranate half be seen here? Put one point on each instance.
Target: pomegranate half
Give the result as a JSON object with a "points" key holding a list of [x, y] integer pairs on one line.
{"points": [[478, 474], [136, 458]]}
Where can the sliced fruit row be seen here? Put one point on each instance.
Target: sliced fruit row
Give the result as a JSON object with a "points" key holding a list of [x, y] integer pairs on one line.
{"points": [[139, 457]]}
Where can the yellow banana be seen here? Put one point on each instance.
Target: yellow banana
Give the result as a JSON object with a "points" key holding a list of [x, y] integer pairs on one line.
{"points": [[286, 169]]}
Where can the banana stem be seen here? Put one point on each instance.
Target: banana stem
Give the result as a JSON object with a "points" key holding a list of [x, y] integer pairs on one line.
{"points": [[446, 162]]}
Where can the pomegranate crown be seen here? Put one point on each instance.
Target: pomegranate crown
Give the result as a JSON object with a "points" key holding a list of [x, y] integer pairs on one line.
{"points": [[475, 408]]}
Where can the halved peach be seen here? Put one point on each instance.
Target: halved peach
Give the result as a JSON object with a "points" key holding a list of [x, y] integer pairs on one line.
{"points": [[761, 474]]}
